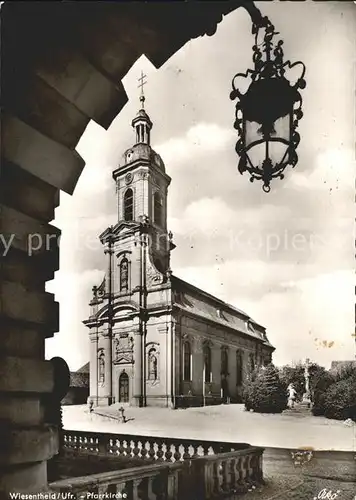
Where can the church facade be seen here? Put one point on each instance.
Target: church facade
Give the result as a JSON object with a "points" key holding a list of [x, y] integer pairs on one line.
{"points": [[154, 338]]}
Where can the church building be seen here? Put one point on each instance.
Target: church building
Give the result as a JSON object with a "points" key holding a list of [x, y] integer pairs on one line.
{"points": [[154, 338]]}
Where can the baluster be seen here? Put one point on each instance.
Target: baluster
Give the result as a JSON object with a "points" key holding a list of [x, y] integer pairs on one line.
{"points": [[172, 485], [121, 448], [181, 451], [151, 451], [244, 469], [176, 454], [186, 454], [111, 446], [120, 488], [221, 472], [125, 446], [233, 473], [238, 471], [136, 489], [160, 452], [115, 447], [228, 476], [195, 453], [130, 447], [144, 451], [168, 454], [136, 448], [248, 468], [260, 467], [214, 476]]}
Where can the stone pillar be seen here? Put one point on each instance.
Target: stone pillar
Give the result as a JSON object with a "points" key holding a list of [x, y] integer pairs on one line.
{"points": [[138, 361], [93, 366], [107, 344]]}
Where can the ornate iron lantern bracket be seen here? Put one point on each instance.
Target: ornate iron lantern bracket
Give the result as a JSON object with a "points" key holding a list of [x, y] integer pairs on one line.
{"points": [[268, 113]]}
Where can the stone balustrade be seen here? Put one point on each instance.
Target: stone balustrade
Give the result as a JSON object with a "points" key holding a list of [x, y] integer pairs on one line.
{"points": [[160, 449], [210, 476], [230, 473], [154, 481]]}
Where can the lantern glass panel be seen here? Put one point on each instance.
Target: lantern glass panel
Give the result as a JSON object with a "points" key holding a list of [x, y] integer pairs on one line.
{"points": [[257, 154], [253, 133], [275, 148]]}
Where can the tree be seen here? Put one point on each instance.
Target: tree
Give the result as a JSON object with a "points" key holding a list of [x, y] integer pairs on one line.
{"points": [[266, 393]]}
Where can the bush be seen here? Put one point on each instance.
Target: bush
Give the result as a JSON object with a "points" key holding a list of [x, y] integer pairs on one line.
{"points": [[322, 383], [266, 393], [340, 400]]}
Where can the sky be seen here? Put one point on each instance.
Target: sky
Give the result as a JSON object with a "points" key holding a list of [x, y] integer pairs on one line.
{"points": [[287, 257]]}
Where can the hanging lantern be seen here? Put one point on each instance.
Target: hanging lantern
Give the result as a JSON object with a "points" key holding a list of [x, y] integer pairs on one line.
{"points": [[267, 114]]}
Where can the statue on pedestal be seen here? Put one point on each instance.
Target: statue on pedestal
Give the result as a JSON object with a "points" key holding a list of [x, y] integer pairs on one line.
{"points": [[292, 395]]}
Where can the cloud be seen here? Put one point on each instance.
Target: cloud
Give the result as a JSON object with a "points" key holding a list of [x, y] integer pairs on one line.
{"points": [[334, 168], [301, 311], [199, 140], [208, 215]]}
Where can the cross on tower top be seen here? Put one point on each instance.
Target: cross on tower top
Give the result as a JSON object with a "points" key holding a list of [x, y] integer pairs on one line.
{"points": [[141, 84]]}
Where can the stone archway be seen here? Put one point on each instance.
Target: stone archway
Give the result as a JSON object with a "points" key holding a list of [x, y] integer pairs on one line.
{"points": [[63, 70]]}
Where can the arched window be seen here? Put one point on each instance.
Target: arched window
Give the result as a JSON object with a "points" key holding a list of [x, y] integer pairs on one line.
{"points": [[152, 364], [124, 275], [239, 367], [128, 205], [187, 354], [224, 361], [157, 209], [207, 364], [101, 368]]}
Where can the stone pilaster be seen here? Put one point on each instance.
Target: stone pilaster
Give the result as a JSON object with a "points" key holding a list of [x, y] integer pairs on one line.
{"points": [[93, 365], [138, 370], [107, 345]]}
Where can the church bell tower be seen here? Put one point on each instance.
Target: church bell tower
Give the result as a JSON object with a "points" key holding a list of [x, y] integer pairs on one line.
{"points": [[123, 329], [142, 187]]}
